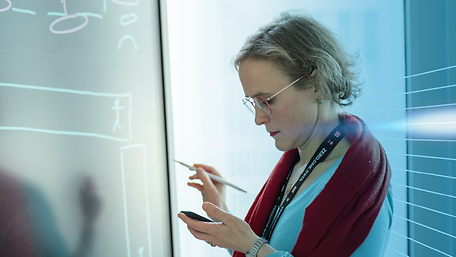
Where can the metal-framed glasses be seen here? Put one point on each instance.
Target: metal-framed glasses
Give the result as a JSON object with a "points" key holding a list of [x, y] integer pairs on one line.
{"points": [[263, 103]]}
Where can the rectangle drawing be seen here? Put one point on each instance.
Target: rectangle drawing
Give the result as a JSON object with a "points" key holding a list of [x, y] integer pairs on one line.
{"points": [[136, 200], [66, 111]]}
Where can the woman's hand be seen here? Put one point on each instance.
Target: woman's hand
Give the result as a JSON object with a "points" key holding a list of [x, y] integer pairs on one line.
{"points": [[230, 233], [212, 191]]}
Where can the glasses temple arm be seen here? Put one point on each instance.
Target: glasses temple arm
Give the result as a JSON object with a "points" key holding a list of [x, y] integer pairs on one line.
{"points": [[292, 83]]}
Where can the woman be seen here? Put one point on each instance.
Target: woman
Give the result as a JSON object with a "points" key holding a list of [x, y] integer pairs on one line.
{"points": [[326, 195]]}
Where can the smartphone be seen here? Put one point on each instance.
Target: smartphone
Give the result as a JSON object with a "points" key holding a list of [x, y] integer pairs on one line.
{"points": [[196, 216]]}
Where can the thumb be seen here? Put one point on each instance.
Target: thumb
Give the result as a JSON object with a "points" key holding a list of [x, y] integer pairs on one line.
{"points": [[213, 211]]}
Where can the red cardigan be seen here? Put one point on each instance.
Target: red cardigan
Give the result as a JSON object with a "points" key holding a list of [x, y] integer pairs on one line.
{"points": [[338, 221]]}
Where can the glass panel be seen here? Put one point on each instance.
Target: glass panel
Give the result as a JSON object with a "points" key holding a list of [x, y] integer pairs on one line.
{"points": [[431, 130]]}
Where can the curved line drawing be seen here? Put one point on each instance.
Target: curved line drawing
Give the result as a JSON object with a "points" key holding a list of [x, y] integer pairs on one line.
{"points": [[125, 38], [6, 8], [69, 30], [96, 15], [131, 18], [127, 4]]}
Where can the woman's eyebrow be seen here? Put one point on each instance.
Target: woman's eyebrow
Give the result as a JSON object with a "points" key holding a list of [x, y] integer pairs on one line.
{"points": [[260, 94]]}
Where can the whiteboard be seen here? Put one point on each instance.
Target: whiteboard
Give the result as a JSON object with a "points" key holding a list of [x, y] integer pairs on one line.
{"points": [[83, 149]]}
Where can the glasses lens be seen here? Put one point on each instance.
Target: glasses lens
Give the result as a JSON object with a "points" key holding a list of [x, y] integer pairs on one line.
{"points": [[263, 104], [248, 103]]}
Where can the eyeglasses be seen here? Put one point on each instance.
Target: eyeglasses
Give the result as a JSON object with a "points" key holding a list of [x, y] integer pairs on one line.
{"points": [[262, 103]]}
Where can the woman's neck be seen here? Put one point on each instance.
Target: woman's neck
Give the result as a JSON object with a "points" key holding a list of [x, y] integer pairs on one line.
{"points": [[324, 125]]}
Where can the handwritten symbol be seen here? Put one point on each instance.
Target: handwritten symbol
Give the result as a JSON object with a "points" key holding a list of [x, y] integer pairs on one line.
{"points": [[128, 19], [124, 3], [125, 38], [69, 30], [117, 108], [66, 18], [6, 8]]}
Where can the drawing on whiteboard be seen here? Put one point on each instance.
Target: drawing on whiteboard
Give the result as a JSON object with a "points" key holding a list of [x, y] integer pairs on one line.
{"points": [[68, 30], [61, 14], [23, 11], [127, 37], [132, 207], [128, 19], [136, 2], [6, 8], [125, 19], [117, 108], [22, 121], [66, 17]]}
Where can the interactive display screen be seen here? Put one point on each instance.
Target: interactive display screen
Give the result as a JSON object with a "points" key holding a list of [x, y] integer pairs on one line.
{"points": [[82, 133]]}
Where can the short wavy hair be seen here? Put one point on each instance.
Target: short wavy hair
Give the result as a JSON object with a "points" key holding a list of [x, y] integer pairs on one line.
{"points": [[297, 44]]}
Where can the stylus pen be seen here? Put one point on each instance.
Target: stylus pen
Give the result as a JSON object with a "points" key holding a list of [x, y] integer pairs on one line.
{"points": [[214, 177]]}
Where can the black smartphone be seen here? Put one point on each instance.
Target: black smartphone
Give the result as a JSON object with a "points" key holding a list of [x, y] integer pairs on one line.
{"points": [[196, 216]]}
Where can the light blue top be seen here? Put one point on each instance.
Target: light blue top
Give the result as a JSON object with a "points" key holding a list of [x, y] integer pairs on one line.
{"points": [[289, 225]]}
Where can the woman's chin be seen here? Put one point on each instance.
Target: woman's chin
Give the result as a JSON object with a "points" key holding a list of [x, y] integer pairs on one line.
{"points": [[281, 146]]}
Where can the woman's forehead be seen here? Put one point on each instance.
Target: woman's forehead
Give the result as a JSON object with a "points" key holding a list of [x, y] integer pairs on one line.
{"points": [[259, 77]]}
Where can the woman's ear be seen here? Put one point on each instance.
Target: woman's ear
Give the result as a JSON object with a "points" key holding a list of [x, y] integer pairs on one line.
{"points": [[317, 92], [314, 72], [313, 76]]}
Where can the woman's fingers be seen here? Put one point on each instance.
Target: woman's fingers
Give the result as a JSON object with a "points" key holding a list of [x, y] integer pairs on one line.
{"points": [[206, 231], [194, 176], [196, 185], [212, 191], [197, 228], [208, 183], [198, 234], [239, 234], [207, 168], [205, 179], [231, 232]]}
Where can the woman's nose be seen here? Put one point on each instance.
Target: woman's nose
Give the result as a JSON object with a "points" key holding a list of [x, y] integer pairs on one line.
{"points": [[260, 117]]}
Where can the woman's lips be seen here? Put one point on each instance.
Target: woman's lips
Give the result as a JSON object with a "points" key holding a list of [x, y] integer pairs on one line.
{"points": [[273, 133]]}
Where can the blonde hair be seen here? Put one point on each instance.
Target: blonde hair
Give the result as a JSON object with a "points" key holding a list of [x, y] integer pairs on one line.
{"points": [[297, 44]]}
